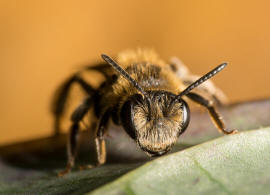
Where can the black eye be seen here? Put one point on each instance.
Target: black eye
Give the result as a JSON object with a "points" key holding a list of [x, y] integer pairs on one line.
{"points": [[126, 117], [127, 113], [186, 116]]}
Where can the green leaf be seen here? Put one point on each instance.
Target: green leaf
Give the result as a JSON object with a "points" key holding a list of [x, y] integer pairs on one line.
{"points": [[235, 164]]}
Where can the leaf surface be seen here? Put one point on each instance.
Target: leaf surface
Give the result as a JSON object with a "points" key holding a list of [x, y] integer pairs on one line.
{"points": [[235, 164]]}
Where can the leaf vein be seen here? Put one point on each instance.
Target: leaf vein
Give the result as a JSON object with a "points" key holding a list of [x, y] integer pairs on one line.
{"points": [[210, 177]]}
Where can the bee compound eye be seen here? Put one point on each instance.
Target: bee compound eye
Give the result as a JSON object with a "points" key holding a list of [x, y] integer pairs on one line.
{"points": [[127, 113], [186, 116]]}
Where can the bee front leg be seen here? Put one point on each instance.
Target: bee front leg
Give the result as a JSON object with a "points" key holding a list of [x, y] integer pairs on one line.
{"points": [[101, 150], [216, 118], [99, 140]]}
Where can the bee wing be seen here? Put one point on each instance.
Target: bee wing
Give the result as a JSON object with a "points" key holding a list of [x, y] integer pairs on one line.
{"points": [[178, 67]]}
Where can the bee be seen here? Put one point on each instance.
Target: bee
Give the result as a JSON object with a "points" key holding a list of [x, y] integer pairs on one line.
{"points": [[143, 94]]}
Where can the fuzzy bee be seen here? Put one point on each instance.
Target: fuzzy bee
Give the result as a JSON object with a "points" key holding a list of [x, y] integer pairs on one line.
{"points": [[146, 96]]}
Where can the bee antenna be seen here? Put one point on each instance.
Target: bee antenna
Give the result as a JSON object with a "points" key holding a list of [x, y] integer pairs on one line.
{"points": [[202, 79], [120, 70]]}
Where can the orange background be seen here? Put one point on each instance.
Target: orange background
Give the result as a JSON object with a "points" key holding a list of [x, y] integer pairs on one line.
{"points": [[42, 42]]}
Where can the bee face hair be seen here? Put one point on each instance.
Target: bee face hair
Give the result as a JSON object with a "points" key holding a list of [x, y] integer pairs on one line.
{"points": [[158, 133]]}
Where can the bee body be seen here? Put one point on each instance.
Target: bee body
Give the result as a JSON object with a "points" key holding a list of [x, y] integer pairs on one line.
{"points": [[145, 95]]}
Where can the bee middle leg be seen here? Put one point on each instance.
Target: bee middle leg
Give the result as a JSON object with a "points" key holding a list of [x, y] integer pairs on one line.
{"points": [[76, 117], [104, 69], [216, 118]]}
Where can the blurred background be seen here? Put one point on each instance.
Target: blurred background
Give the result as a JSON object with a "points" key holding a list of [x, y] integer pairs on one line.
{"points": [[43, 42]]}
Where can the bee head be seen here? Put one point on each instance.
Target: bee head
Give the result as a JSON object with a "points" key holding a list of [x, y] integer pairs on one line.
{"points": [[155, 123], [155, 119]]}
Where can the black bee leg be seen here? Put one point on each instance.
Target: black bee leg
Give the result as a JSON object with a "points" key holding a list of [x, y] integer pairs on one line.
{"points": [[76, 117], [60, 99], [100, 142], [71, 149], [216, 118]]}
